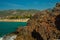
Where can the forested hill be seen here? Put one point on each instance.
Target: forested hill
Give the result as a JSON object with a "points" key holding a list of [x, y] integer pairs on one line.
{"points": [[17, 14]]}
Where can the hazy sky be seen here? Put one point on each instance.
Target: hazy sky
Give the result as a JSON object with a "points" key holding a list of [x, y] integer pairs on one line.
{"points": [[27, 4]]}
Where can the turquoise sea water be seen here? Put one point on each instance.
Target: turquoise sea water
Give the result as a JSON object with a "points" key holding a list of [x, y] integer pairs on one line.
{"points": [[9, 27]]}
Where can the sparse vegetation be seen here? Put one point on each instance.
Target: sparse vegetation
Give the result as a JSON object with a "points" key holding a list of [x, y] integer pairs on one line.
{"points": [[17, 14]]}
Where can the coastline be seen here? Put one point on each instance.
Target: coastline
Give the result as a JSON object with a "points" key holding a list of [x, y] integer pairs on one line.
{"points": [[1, 38], [14, 20]]}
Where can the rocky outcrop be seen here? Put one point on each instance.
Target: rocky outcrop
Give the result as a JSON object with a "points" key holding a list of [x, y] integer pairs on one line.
{"points": [[44, 25]]}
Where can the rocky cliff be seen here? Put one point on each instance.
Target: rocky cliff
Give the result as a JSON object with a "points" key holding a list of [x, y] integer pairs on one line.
{"points": [[44, 25]]}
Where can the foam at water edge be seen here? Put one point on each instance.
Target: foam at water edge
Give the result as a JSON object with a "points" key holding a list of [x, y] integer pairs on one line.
{"points": [[1, 38], [9, 37]]}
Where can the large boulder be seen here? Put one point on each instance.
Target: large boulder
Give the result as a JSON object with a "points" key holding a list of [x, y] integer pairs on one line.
{"points": [[44, 25]]}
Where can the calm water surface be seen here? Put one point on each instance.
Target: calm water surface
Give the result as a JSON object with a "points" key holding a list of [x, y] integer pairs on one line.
{"points": [[8, 27]]}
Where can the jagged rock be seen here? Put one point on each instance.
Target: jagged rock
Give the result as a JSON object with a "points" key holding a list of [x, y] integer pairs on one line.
{"points": [[45, 23], [57, 4]]}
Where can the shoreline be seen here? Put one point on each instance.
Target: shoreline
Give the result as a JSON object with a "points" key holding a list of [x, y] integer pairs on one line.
{"points": [[14, 20], [1, 38]]}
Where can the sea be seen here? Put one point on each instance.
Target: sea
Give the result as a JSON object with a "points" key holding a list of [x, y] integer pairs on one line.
{"points": [[9, 27]]}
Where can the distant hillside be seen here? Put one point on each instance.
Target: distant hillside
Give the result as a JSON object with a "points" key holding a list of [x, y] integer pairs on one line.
{"points": [[13, 14]]}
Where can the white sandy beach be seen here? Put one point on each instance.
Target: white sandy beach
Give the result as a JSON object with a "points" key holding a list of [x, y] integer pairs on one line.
{"points": [[14, 20]]}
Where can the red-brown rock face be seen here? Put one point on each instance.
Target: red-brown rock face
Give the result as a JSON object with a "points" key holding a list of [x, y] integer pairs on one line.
{"points": [[44, 25]]}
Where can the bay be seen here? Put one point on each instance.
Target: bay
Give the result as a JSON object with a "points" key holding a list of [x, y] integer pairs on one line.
{"points": [[9, 27]]}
